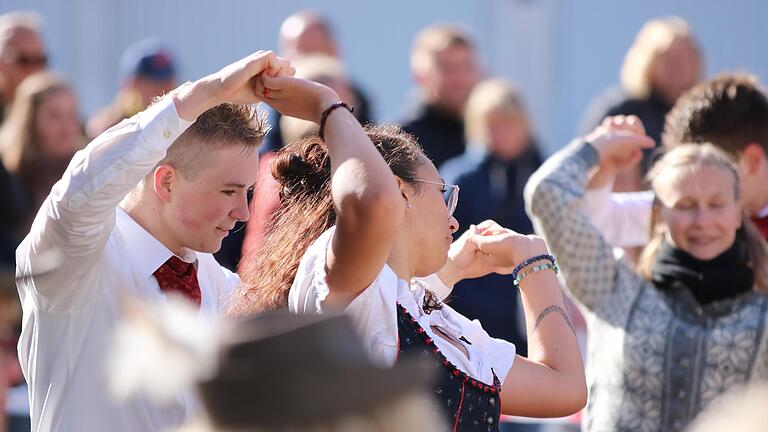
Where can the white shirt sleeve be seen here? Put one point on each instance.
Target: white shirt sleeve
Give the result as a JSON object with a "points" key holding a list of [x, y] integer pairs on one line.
{"points": [[622, 218], [77, 217], [373, 311]]}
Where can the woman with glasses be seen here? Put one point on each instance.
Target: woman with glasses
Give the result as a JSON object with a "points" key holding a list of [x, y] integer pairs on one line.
{"points": [[364, 228]]}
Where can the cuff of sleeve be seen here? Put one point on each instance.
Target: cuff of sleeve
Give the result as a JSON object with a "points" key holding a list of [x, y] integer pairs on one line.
{"points": [[437, 286], [587, 153], [161, 123]]}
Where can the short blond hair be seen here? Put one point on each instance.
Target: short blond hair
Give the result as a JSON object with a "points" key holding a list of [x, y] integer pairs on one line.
{"points": [[433, 40], [222, 126], [490, 96], [655, 37]]}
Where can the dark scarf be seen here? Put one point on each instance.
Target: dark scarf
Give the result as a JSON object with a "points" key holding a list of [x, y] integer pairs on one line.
{"points": [[726, 276]]}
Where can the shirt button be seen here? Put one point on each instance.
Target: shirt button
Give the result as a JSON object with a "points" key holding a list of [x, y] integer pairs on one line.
{"points": [[492, 401], [489, 420], [166, 134], [682, 394], [685, 363], [119, 165]]}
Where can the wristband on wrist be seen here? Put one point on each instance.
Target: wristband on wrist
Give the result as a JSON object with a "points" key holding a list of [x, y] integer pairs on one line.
{"points": [[517, 276], [535, 269], [328, 111]]}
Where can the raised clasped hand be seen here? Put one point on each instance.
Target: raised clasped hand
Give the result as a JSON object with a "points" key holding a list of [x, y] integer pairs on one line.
{"points": [[490, 248], [237, 82], [503, 249], [620, 141], [295, 97]]}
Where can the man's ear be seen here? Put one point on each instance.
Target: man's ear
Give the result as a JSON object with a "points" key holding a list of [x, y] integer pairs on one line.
{"points": [[163, 181], [752, 158]]}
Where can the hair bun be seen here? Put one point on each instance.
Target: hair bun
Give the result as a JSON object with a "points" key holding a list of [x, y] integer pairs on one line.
{"points": [[303, 168]]}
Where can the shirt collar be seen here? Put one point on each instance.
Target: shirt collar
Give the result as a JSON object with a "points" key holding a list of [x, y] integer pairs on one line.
{"points": [[147, 251]]}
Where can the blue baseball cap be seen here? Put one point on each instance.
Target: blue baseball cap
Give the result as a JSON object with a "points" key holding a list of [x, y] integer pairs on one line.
{"points": [[147, 58]]}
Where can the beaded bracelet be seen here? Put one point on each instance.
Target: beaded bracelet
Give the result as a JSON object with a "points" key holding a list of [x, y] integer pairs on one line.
{"points": [[327, 112], [535, 269], [528, 262]]}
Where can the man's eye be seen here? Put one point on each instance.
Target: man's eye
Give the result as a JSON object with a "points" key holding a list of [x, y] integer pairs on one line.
{"points": [[228, 192]]}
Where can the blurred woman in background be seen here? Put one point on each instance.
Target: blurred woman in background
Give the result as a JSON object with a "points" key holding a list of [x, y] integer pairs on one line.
{"points": [[501, 155], [663, 62], [39, 137]]}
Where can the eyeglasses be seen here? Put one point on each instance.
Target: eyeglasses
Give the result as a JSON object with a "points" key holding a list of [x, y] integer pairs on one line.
{"points": [[27, 61], [450, 193]]}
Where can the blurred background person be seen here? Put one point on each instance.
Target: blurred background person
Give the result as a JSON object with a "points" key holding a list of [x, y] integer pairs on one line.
{"points": [[22, 53], [313, 365], [445, 66], [39, 137], [491, 175], [148, 70], [308, 33], [663, 62]]}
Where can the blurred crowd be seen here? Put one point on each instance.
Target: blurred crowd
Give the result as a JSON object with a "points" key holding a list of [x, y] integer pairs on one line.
{"points": [[667, 319]]}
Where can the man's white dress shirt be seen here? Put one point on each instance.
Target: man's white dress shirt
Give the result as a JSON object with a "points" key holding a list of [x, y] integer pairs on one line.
{"points": [[71, 312]]}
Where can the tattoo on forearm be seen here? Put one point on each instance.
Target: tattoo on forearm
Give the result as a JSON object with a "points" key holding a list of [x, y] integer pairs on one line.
{"points": [[550, 309]]}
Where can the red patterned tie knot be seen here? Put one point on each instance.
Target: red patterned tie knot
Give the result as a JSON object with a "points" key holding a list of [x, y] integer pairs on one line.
{"points": [[177, 276]]}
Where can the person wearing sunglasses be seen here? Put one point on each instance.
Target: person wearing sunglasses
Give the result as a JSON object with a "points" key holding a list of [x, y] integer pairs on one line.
{"points": [[22, 53], [362, 228]]}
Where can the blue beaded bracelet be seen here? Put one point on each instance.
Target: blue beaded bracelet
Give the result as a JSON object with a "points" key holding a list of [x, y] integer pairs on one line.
{"points": [[535, 269], [516, 279]]}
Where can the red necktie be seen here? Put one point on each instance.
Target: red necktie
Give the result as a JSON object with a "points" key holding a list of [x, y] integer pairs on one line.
{"points": [[177, 276], [762, 226]]}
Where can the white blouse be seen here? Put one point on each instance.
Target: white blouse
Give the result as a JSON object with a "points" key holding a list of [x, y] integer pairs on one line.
{"points": [[374, 314]]}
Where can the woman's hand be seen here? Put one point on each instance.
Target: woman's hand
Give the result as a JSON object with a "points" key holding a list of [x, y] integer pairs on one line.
{"points": [[465, 261], [503, 249], [234, 83], [488, 248], [619, 142], [296, 97]]}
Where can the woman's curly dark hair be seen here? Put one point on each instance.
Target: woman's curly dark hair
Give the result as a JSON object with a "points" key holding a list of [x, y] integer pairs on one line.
{"points": [[303, 171]]}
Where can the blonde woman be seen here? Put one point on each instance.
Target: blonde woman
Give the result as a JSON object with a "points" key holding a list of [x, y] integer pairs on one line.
{"points": [[668, 341], [663, 62], [491, 174]]}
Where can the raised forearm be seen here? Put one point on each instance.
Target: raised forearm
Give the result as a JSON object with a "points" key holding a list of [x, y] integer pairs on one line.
{"points": [[363, 183]]}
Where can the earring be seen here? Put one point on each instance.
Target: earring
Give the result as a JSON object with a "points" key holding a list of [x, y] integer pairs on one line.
{"points": [[408, 205]]}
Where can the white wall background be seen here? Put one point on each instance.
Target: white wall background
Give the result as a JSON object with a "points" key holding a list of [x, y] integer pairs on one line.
{"points": [[559, 52]]}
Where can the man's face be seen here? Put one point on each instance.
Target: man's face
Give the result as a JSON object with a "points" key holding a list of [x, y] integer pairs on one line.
{"points": [[21, 55], [453, 74], [203, 210]]}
